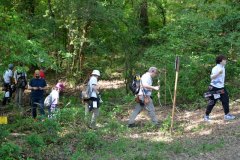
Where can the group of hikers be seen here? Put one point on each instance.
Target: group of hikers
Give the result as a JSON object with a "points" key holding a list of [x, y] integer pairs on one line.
{"points": [[144, 95], [16, 82], [38, 85]]}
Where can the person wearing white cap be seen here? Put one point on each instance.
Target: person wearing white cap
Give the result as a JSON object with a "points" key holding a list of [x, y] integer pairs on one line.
{"points": [[94, 101], [145, 93]]}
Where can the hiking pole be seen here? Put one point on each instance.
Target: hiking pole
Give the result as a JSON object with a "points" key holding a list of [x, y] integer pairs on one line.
{"points": [[159, 94], [177, 61], [165, 81]]}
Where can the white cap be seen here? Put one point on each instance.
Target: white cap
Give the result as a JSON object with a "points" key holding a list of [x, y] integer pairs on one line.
{"points": [[96, 72]]}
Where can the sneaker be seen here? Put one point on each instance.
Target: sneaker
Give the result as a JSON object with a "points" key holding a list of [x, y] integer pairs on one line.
{"points": [[229, 117], [131, 125], [207, 118]]}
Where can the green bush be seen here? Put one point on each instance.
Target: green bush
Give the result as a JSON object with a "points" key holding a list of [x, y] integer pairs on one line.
{"points": [[67, 116], [3, 134], [36, 142], [50, 129], [9, 151], [90, 140]]}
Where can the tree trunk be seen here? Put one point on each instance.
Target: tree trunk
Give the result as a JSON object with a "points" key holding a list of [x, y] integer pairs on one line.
{"points": [[143, 19], [81, 55]]}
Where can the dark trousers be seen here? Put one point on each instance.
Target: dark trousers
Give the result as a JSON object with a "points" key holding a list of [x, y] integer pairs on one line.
{"points": [[223, 98], [37, 102], [7, 87]]}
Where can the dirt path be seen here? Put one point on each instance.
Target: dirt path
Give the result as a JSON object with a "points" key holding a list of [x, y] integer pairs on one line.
{"points": [[220, 138]]}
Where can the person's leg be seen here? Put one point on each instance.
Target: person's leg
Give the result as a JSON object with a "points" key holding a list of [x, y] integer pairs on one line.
{"points": [[11, 93], [225, 101], [6, 94], [95, 114], [50, 111], [138, 108], [53, 110], [34, 107], [17, 97], [151, 112], [41, 102], [211, 104], [20, 98], [86, 118]]}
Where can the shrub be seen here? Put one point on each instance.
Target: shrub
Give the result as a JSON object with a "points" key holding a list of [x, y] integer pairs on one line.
{"points": [[9, 151], [36, 142]]}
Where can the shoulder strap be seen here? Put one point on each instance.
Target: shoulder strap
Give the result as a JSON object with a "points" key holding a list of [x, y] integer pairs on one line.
{"points": [[143, 90]]}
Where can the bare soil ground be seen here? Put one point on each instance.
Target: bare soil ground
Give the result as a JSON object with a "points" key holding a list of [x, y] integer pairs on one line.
{"points": [[195, 132]]}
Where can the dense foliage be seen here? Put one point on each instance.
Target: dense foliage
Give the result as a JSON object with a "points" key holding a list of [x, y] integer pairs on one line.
{"points": [[121, 37]]}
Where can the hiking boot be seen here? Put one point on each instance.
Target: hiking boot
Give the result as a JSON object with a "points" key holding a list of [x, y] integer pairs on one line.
{"points": [[131, 125], [229, 117], [92, 127], [207, 118]]}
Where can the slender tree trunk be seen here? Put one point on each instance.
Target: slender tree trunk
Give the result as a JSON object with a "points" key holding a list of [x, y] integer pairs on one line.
{"points": [[81, 55], [143, 21], [30, 8], [53, 18]]}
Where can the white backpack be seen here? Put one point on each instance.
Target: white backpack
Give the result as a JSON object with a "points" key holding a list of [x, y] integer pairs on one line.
{"points": [[48, 101]]}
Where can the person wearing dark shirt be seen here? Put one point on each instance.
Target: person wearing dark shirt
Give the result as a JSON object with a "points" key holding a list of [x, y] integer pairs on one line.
{"points": [[37, 86]]}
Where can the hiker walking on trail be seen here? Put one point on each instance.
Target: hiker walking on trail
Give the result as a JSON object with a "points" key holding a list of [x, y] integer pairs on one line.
{"points": [[7, 84], [20, 78], [93, 103], [217, 84], [144, 99], [37, 86]]}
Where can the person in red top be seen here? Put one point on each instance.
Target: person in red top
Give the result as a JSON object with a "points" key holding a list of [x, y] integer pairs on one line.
{"points": [[41, 73]]}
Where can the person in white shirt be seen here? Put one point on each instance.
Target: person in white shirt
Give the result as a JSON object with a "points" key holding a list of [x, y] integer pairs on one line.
{"points": [[145, 93], [7, 77], [217, 84], [94, 101]]}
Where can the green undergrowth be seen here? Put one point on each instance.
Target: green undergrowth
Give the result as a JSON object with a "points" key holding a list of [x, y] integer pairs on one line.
{"points": [[67, 136]]}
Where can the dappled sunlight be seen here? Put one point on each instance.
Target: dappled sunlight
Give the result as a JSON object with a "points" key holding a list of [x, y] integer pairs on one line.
{"points": [[115, 84], [192, 122]]}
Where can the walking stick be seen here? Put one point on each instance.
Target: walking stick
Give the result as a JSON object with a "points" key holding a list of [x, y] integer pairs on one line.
{"points": [[159, 94], [165, 81], [177, 61]]}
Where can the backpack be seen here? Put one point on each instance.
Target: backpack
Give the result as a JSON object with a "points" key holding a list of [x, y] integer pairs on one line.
{"points": [[21, 81], [48, 101], [86, 92], [134, 86]]}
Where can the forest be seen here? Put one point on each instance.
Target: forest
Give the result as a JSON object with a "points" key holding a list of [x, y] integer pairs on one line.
{"points": [[121, 38]]}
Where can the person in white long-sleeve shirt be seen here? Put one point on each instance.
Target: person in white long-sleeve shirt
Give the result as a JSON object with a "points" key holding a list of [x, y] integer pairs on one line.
{"points": [[217, 83], [7, 77]]}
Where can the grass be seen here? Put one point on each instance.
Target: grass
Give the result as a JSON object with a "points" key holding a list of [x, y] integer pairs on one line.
{"points": [[67, 136]]}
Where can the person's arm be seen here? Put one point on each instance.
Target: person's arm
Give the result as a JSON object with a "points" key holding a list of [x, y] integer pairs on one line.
{"points": [[95, 88], [44, 87], [145, 84], [30, 86], [216, 73], [15, 77], [150, 87]]}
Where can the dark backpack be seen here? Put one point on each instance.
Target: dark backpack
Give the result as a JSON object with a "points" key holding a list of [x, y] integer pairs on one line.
{"points": [[21, 81], [134, 86]]}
